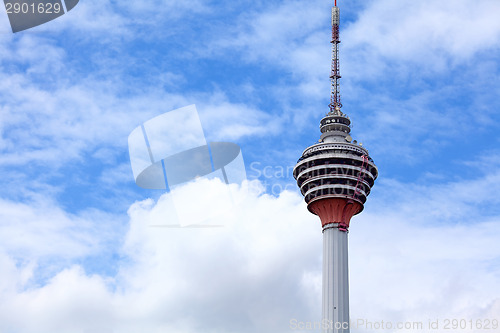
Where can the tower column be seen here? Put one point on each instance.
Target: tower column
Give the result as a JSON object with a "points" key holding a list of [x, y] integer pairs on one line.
{"points": [[335, 280]]}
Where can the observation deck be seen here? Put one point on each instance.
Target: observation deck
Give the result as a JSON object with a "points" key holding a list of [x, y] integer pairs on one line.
{"points": [[335, 168]]}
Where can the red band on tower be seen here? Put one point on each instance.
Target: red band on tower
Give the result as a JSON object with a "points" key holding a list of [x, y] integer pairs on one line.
{"points": [[335, 210]]}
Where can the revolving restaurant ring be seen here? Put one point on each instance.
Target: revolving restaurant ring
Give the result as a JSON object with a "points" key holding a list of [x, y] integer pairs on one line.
{"points": [[335, 170]]}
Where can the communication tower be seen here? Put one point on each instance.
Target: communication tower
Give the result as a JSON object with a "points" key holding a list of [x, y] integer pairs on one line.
{"points": [[335, 176]]}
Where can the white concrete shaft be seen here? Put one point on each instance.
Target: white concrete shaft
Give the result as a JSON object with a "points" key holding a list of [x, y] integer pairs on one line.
{"points": [[335, 281]]}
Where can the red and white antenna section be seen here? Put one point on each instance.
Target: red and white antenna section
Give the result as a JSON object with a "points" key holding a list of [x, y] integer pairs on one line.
{"points": [[335, 103]]}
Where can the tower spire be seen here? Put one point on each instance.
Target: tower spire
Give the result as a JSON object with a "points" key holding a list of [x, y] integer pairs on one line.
{"points": [[335, 103]]}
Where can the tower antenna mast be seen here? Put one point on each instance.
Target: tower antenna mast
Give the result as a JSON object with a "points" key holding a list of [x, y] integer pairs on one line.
{"points": [[335, 103]]}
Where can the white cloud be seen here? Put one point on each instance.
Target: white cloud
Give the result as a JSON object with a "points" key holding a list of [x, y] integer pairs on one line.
{"points": [[414, 40], [274, 33], [225, 121], [227, 278], [288, 35], [263, 269], [153, 12], [61, 125], [411, 40], [39, 229], [425, 32]]}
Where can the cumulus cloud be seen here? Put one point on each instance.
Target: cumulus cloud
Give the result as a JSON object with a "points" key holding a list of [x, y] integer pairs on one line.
{"points": [[185, 280], [262, 270]]}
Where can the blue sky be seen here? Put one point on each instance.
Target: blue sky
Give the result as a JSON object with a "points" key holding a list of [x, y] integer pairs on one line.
{"points": [[420, 83]]}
